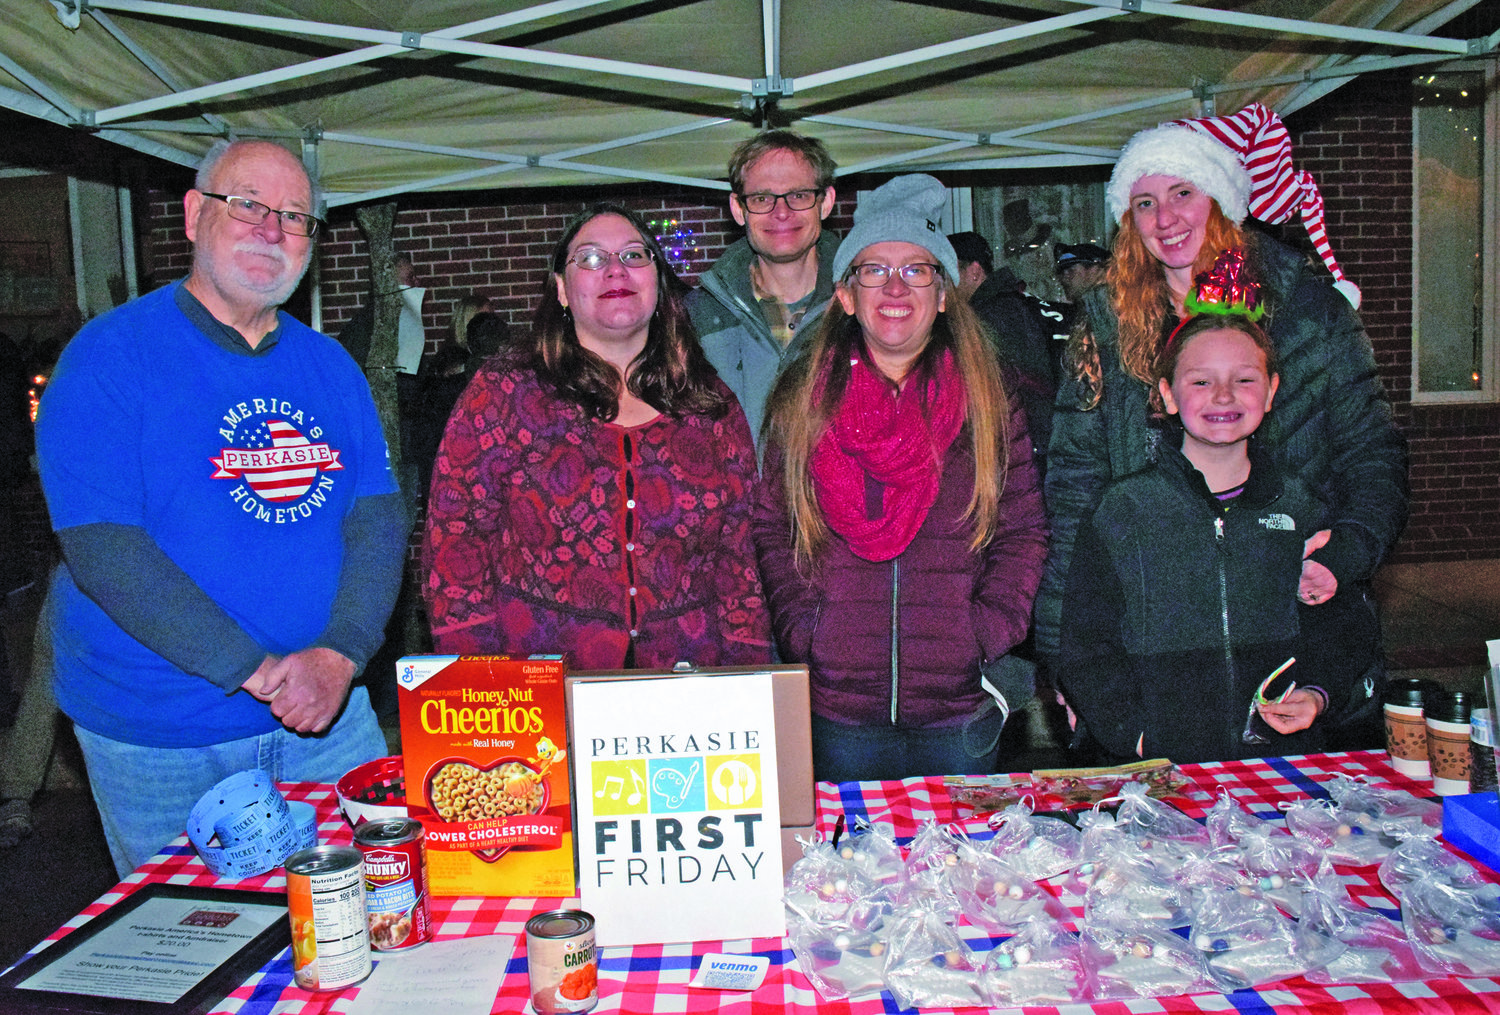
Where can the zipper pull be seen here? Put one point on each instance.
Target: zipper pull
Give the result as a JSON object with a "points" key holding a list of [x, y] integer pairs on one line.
{"points": [[1218, 530]]}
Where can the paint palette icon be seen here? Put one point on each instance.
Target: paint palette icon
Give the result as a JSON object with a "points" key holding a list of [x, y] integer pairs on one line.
{"points": [[672, 785]]}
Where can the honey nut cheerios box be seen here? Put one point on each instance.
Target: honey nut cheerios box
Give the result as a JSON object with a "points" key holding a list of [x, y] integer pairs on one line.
{"points": [[484, 746]]}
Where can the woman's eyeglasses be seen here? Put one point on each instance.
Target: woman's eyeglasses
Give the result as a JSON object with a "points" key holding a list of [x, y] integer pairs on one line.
{"points": [[596, 258], [873, 276]]}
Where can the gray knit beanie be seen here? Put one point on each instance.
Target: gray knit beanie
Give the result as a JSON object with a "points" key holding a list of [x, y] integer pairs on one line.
{"points": [[905, 209]]}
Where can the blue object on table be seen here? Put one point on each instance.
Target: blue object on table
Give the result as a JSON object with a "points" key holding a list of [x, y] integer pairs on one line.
{"points": [[1471, 822]]}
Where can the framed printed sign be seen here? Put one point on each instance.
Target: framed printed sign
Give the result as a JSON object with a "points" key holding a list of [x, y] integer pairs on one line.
{"points": [[678, 816]]}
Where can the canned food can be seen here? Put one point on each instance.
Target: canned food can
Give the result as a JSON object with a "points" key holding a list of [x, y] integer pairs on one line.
{"points": [[325, 893], [560, 961], [395, 863]]}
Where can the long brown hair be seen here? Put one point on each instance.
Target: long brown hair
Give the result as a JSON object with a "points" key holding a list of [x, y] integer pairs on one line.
{"points": [[797, 418], [1142, 300], [671, 374]]}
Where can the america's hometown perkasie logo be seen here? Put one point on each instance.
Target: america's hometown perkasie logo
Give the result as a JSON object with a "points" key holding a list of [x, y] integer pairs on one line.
{"points": [[274, 455]]}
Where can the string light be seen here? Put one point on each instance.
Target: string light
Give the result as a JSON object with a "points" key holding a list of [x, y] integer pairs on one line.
{"points": [[680, 243]]}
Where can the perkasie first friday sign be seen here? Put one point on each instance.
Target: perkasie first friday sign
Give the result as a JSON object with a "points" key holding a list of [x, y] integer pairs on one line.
{"points": [[679, 824]]}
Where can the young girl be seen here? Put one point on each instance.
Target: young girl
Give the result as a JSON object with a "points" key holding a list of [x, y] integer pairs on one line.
{"points": [[1183, 594]]}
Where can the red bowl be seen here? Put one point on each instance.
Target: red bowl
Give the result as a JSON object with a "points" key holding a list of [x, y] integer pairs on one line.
{"points": [[374, 790]]}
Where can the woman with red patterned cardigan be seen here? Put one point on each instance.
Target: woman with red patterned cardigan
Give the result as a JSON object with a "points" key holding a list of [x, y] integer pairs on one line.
{"points": [[593, 490]]}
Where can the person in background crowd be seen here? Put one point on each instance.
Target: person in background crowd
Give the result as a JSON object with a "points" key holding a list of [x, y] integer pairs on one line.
{"points": [[1080, 267], [1026, 331], [464, 311], [356, 333], [1180, 193], [214, 606], [411, 344], [900, 529], [592, 493], [488, 334], [773, 284], [1181, 606]]}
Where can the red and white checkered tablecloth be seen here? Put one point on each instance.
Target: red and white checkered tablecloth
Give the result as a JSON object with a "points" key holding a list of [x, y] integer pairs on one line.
{"points": [[652, 980]]}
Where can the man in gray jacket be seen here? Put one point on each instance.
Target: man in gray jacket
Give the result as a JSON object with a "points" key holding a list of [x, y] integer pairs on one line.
{"points": [[771, 286]]}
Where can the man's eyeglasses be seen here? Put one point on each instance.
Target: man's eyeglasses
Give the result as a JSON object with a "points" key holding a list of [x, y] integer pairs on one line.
{"points": [[595, 258], [242, 209], [796, 200], [872, 276]]}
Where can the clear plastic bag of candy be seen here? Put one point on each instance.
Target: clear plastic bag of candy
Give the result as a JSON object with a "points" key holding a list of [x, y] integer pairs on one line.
{"points": [[1127, 885], [1227, 822], [994, 895], [1037, 845], [1394, 812], [872, 850], [930, 966], [1145, 818], [1421, 857], [1377, 952], [843, 959], [1041, 964], [1125, 958], [1246, 941], [1454, 929], [821, 886], [929, 862], [1349, 838], [1219, 870]]}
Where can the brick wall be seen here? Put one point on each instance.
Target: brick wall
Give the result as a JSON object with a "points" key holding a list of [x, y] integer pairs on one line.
{"points": [[474, 245], [1357, 143]]}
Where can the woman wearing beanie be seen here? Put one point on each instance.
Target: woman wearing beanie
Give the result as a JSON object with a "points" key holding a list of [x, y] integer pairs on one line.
{"points": [[1181, 193], [899, 527]]}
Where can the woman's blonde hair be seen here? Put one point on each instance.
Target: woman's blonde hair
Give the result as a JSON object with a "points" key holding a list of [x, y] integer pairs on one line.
{"points": [[797, 418], [1142, 300]]}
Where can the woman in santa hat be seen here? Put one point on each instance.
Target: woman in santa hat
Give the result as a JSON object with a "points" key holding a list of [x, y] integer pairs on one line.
{"points": [[1181, 193]]}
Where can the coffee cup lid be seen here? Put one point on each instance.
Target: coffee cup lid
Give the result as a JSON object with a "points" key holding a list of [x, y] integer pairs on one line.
{"points": [[1408, 691]]}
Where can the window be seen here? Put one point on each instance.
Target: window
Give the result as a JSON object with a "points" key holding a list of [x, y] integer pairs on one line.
{"points": [[1454, 180]]}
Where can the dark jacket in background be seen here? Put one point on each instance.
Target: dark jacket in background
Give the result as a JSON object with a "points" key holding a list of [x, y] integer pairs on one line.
{"points": [[1028, 333]]}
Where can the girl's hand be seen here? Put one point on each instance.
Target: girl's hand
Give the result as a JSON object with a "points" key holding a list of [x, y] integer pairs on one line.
{"points": [[1296, 713], [1318, 583]]}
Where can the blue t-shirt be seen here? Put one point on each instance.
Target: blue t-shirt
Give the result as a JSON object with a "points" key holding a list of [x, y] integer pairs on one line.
{"points": [[241, 468]]}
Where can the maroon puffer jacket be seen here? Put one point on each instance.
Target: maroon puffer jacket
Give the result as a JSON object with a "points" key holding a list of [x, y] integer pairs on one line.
{"points": [[952, 608]]}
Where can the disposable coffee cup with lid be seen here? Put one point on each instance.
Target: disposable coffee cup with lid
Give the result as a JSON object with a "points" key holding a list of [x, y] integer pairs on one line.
{"points": [[1447, 716], [1405, 726]]}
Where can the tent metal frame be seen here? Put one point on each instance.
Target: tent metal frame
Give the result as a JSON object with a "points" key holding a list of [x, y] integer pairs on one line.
{"points": [[125, 123]]}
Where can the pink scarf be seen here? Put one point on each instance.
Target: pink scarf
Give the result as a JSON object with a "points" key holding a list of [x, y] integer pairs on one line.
{"points": [[895, 440]]}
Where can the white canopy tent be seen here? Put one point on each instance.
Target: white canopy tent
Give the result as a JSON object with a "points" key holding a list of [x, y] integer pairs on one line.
{"points": [[415, 95]]}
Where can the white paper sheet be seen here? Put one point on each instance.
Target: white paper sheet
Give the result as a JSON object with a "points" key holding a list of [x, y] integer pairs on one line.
{"points": [[454, 977]]}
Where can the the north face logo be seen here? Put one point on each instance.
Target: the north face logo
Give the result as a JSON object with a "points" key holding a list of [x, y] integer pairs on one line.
{"points": [[1277, 522]]}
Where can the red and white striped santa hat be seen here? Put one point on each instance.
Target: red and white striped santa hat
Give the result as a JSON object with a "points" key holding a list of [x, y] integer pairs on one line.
{"points": [[1257, 140]]}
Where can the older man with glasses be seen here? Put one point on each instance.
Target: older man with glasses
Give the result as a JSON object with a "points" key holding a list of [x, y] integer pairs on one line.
{"points": [[231, 533], [770, 285]]}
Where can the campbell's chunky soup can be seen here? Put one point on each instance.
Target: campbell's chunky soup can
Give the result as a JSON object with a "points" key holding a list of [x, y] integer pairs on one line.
{"points": [[325, 896], [395, 865], [560, 961]]}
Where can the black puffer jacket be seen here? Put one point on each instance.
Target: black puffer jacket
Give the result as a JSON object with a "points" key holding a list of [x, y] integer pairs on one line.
{"points": [[1331, 428], [1178, 606]]}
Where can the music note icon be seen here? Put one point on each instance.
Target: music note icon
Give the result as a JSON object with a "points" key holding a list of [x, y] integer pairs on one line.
{"points": [[640, 787], [614, 780]]}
